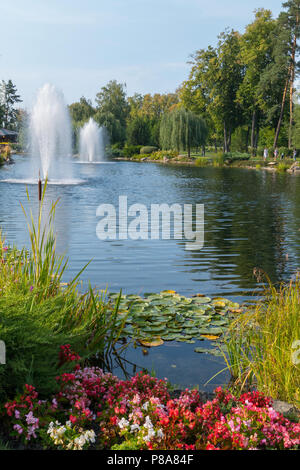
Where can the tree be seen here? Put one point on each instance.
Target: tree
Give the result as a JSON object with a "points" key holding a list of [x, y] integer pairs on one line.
{"points": [[213, 84], [287, 46], [296, 126], [182, 130], [138, 131], [145, 116], [81, 111], [112, 110], [8, 98], [256, 47]]}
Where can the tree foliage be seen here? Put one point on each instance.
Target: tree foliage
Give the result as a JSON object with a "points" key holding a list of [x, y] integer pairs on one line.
{"points": [[182, 130], [8, 99]]}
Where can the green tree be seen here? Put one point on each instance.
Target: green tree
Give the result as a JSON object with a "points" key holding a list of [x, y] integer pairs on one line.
{"points": [[213, 84], [296, 126], [112, 110], [138, 131], [256, 47], [182, 130], [285, 55], [145, 116], [81, 111], [9, 98]]}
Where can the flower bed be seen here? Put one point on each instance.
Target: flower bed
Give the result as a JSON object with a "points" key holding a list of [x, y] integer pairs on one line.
{"points": [[93, 409]]}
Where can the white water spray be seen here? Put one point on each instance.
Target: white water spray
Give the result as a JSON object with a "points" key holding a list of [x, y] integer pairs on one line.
{"points": [[50, 131], [92, 147]]}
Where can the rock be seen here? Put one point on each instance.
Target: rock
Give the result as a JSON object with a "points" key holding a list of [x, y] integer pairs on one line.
{"points": [[294, 168], [285, 408]]}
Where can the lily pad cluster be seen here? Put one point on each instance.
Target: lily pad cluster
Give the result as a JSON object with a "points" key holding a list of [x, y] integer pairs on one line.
{"points": [[155, 318]]}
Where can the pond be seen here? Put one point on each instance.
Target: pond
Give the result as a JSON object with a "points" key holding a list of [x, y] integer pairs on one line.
{"points": [[252, 220]]}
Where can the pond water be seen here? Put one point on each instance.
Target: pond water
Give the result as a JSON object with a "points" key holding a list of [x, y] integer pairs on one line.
{"points": [[252, 220]]}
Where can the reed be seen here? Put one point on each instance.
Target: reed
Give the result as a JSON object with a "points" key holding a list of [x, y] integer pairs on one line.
{"points": [[261, 344]]}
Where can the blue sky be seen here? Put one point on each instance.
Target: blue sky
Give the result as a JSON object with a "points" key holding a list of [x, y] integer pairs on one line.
{"points": [[80, 45]]}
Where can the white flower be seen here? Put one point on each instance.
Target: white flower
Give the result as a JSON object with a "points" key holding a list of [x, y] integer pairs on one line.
{"points": [[123, 423], [134, 427], [148, 423]]}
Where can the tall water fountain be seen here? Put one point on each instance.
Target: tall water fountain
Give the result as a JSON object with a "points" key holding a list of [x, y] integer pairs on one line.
{"points": [[92, 146], [50, 135]]}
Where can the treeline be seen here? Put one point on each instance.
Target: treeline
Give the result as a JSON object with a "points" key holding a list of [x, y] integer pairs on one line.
{"points": [[245, 86], [239, 95]]}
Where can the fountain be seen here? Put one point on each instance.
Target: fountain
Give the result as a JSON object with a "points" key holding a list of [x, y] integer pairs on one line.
{"points": [[92, 148], [50, 142], [50, 132]]}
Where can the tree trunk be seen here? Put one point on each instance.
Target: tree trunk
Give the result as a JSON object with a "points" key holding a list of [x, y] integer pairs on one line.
{"points": [[253, 129], [247, 139], [282, 108], [227, 138], [292, 88]]}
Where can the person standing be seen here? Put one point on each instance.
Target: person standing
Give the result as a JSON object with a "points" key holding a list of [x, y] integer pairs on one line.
{"points": [[266, 153], [295, 154], [276, 153]]}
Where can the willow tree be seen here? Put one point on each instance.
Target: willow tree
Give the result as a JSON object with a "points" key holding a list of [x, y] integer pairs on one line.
{"points": [[182, 130]]}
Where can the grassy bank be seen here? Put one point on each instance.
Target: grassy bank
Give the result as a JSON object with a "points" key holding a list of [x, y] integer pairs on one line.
{"points": [[234, 159]]}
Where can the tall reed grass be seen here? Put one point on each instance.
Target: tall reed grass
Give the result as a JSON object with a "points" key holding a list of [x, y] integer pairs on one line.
{"points": [[261, 344]]}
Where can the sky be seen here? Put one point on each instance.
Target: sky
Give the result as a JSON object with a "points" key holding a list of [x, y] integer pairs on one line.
{"points": [[80, 45]]}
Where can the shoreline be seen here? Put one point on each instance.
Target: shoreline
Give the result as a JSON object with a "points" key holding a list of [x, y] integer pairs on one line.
{"points": [[272, 166]]}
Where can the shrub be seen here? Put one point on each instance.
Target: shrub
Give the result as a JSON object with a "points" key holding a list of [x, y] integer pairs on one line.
{"points": [[148, 150], [202, 161], [130, 150]]}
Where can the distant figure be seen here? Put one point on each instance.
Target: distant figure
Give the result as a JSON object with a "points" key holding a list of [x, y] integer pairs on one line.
{"points": [[295, 154], [266, 153], [282, 156], [276, 153]]}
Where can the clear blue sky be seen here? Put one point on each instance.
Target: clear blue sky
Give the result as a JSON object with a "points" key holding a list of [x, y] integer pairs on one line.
{"points": [[80, 45]]}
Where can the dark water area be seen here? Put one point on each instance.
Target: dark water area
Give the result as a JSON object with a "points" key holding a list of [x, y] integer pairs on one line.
{"points": [[252, 220]]}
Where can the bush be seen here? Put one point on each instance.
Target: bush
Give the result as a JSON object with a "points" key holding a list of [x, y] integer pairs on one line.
{"points": [[130, 150], [285, 151], [148, 150], [116, 152], [202, 161]]}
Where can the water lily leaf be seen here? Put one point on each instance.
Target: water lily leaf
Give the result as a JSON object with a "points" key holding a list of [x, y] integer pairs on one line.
{"points": [[201, 300], [170, 337], [219, 303], [202, 350], [152, 343], [210, 337]]}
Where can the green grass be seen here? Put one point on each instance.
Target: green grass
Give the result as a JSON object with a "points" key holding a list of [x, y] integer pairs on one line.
{"points": [[260, 345]]}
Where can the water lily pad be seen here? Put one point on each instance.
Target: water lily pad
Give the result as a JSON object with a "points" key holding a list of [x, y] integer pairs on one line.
{"points": [[154, 342], [210, 337]]}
